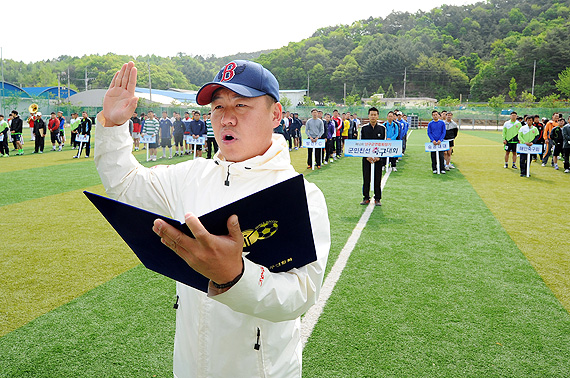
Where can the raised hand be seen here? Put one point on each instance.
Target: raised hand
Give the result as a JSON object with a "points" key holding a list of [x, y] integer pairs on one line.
{"points": [[120, 101]]}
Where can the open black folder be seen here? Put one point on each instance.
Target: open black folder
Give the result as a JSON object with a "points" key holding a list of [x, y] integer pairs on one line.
{"points": [[275, 223]]}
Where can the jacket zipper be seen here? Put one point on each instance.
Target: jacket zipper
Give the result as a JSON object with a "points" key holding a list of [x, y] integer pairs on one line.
{"points": [[257, 347]]}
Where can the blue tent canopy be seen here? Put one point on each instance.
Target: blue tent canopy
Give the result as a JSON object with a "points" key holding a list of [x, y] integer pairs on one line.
{"points": [[12, 90]]}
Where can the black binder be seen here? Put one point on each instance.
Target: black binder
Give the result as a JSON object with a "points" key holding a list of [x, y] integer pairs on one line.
{"points": [[275, 222]]}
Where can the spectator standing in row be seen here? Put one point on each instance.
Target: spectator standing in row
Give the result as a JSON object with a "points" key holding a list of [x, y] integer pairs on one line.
{"points": [[53, 127], [549, 144], [404, 127], [4, 132], [372, 130], [392, 133], [528, 134], [540, 140], [296, 125], [451, 130], [314, 129], [137, 127], [338, 134], [74, 123], [16, 131], [178, 133], [566, 147], [151, 127], [330, 129], [436, 134], [211, 139], [186, 120], [84, 128], [61, 119], [557, 141], [165, 125], [197, 130], [40, 131], [510, 138]]}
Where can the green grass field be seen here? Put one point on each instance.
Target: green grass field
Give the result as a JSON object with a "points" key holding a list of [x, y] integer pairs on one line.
{"points": [[458, 275]]}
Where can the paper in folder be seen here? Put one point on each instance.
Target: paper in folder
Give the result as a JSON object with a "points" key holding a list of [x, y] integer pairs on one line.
{"points": [[277, 231]]}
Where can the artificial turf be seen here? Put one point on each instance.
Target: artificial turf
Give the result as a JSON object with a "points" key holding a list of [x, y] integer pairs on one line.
{"points": [[433, 288]]}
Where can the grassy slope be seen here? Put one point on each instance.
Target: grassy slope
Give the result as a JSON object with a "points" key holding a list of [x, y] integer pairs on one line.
{"points": [[437, 288]]}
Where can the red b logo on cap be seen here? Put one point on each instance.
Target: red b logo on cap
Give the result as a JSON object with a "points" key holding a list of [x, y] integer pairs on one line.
{"points": [[229, 72]]}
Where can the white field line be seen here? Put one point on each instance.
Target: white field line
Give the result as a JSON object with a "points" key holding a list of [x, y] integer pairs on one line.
{"points": [[312, 316]]}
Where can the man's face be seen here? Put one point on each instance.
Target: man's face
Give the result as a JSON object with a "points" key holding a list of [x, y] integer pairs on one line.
{"points": [[373, 116], [288, 114], [164, 115], [449, 116], [390, 117], [52, 116], [327, 117], [320, 114], [150, 115], [435, 116], [513, 117], [196, 116], [243, 126], [314, 114], [84, 115], [555, 117], [335, 114], [561, 122]]}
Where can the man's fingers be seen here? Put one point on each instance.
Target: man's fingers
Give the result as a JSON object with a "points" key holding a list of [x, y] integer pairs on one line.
{"points": [[112, 85], [234, 228], [197, 228], [120, 76], [132, 78], [170, 236]]}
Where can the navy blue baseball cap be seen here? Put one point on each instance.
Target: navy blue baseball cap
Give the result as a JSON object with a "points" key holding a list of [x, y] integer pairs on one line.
{"points": [[246, 78]]}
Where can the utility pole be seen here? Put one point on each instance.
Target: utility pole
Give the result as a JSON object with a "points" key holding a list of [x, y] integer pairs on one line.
{"points": [[533, 76], [405, 72], [308, 83], [59, 87], [86, 80], [68, 82], [149, 82], [344, 98]]}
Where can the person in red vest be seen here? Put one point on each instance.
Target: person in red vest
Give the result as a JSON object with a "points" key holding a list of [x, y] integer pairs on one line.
{"points": [[53, 127]]}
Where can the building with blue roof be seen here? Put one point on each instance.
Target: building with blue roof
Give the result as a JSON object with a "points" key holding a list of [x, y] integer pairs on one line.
{"points": [[49, 92]]}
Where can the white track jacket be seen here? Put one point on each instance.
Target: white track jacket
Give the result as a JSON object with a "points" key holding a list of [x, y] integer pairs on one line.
{"points": [[253, 329]]}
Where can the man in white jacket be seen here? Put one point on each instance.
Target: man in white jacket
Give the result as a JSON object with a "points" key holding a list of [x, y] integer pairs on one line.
{"points": [[248, 324]]}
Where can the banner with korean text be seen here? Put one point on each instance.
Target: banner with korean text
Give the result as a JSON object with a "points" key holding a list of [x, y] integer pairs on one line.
{"points": [[320, 143], [372, 148], [443, 146]]}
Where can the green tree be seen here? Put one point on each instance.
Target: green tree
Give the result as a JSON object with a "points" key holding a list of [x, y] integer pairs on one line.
{"points": [[364, 93], [380, 90], [513, 89], [285, 102], [448, 101], [390, 93], [528, 99], [497, 102], [551, 101], [563, 82]]}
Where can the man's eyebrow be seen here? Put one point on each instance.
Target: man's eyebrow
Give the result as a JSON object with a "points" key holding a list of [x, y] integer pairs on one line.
{"points": [[235, 96]]}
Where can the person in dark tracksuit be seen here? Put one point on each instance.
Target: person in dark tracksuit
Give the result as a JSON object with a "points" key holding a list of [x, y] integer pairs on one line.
{"points": [[372, 130], [40, 131], [85, 129]]}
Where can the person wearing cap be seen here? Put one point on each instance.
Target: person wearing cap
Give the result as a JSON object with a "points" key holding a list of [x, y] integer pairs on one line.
{"points": [[53, 126], [247, 325], [16, 130], [40, 131], [61, 119]]}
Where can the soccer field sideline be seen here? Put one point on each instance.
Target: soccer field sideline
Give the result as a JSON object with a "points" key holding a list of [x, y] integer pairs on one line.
{"points": [[350, 202]]}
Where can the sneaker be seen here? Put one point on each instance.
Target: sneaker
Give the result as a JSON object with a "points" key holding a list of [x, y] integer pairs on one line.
{"points": [[506, 165], [75, 156], [544, 165], [435, 171], [556, 166], [170, 157], [86, 156], [60, 147], [565, 171], [365, 202], [318, 167], [394, 169], [309, 167], [325, 163], [514, 166], [443, 172], [153, 159], [377, 203], [447, 167], [451, 166]]}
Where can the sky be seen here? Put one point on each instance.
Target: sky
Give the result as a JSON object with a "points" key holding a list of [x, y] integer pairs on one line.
{"points": [[167, 27]]}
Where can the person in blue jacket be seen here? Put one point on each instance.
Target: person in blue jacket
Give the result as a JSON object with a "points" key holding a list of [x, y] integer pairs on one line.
{"points": [[197, 129], [405, 126], [392, 133], [436, 133]]}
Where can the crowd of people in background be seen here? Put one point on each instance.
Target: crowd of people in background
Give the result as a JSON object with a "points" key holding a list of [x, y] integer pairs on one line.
{"points": [[553, 135]]}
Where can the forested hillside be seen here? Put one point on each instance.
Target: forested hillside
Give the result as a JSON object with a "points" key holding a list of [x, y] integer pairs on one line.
{"points": [[473, 50], [477, 51]]}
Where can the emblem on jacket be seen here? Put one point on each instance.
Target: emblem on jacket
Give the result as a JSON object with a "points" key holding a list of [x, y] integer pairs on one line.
{"points": [[262, 231]]}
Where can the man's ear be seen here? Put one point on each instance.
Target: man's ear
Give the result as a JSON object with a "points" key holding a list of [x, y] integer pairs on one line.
{"points": [[276, 114]]}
